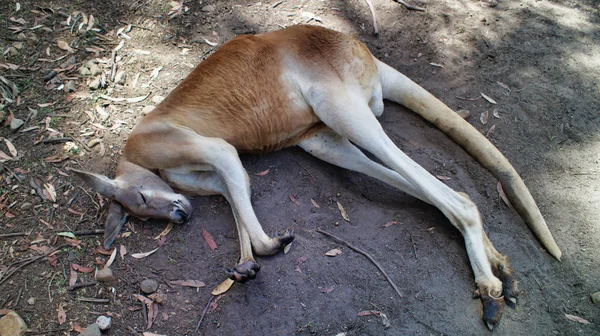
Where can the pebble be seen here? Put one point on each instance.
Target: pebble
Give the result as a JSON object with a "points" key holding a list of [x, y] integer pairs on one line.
{"points": [[95, 69], [91, 330], [208, 8], [84, 71], [121, 77], [157, 99], [69, 86], [149, 286], [105, 275], [12, 324], [31, 301], [16, 123], [104, 322], [596, 298], [463, 113], [95, 84], [26, 206]]}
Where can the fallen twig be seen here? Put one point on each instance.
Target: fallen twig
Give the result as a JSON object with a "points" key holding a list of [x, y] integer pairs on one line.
{"points": [[93, 300], [81, 285], [409, 6], [28, 261], [387, 277], [15, 234], [204, 313], [413, 244], [372, 9], [57, 140]]}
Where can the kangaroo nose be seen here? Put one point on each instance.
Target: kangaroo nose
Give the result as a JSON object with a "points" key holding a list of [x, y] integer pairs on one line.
{"points": [[179, 216]]}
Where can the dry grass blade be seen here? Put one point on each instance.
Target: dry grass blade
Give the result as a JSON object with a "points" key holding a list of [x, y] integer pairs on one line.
{"points": [[143, 255], [343, 212]]}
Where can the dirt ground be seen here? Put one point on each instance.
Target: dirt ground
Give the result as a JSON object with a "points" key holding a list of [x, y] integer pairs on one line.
{"points": [[537, 59]]}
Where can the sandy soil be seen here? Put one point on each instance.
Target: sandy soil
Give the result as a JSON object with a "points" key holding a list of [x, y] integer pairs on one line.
{"points": [[537, 59]]}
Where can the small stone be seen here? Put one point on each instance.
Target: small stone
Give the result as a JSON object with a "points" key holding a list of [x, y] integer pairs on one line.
{"points": [[159, 298], [596, 298], [104, 322], [105, 275], [121, 77], [95, 84], [32, 41], [147, 109], [84, 71], [69, 86], [12, 324], [70, 61], [208, 8], [91, 330], [26, 206], [149, 286], [95, 69], [157, 99], [16, 123], [31, 301]]}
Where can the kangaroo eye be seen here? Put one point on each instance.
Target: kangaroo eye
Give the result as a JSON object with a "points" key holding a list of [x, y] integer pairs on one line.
{"points": [[143, 198]]}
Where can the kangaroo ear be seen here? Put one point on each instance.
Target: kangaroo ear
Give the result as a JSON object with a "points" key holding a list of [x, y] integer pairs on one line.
{"points": [[114, 223], [100, 183]]}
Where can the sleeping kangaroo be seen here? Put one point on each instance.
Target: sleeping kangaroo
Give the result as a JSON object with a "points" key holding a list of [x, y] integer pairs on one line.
{"points": [[320, 90]]}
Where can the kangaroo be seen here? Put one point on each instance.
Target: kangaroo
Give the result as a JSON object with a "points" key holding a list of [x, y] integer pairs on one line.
{"points": [[320, 90]]}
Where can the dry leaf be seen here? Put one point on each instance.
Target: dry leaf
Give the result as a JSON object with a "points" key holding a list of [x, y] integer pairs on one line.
{"points": [[299, 262], [503, 195], [143, 255], [122, 251], [209, 239], [326, 290], [504, 86], [333, 253], [223, 287], [111, 259], [11, 148], [49, 192], [188, 283], [343, 212], [73, 277], [314, 203], [103, 251], [64, 46], [443, 178], [82, 269], [496, 113], [165, 231], [488, 98], [4, 157], [293, 199], [576, 319], [262, 173], [369, 312], [287, 248], [388, 224], [62, 317], [72, 242], [490, 131], [484, 117], [152, 310]]}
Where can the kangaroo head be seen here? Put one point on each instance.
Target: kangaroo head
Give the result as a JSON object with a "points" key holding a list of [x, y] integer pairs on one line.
{"points": [[138, 192]]}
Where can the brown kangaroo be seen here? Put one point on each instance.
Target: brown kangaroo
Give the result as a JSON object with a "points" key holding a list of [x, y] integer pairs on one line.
{"points": [[320, 90]]}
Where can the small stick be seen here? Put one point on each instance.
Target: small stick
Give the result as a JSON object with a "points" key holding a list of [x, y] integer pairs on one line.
{"points": [[57, 140], [4, 277], [409, 6], [413, 244], [133, 331], [93, 300], [113, 69], [50, 285], [81, 285], [204, 313], [16, 234], [88, 232], [372, 9], [19, 296], [366, 255]]}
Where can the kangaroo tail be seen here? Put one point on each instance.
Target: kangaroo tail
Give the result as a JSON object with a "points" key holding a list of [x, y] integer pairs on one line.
{"points": [[402, 90]]}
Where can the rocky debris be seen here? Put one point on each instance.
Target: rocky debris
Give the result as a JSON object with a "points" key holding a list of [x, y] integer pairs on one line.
{"points": [[149, 286], [463, 113], [157, 99], [121, 77], [208, 8], [31, 301], [159, 298], [95, 69], [84, 71], [105, 275], [104, 322], [595, 298], [69, 86], [12, 325], [91, 330], [16, 123], [96, 83]]}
